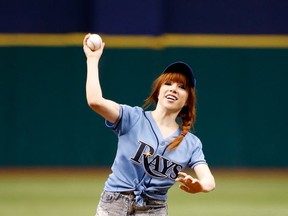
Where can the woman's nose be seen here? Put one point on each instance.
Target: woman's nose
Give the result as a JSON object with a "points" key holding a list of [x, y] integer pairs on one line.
{"points": [[173, 88]]}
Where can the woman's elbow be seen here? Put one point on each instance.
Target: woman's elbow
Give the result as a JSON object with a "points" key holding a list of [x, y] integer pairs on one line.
{"points": [[94, 103], [210, 185]]}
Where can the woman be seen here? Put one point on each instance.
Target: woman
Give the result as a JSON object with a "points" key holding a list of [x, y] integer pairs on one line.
{"points": [[153, 149]]}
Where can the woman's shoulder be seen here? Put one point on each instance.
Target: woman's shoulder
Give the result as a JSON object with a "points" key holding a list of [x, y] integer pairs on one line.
{"points": [[191, 137]]}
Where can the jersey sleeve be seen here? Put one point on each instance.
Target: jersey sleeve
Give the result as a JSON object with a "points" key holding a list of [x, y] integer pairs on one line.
{"points": [[197, 154], [128, 117]]}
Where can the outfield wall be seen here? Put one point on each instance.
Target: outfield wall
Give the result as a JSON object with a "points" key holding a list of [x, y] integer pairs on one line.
{"points": [[45, 120]]}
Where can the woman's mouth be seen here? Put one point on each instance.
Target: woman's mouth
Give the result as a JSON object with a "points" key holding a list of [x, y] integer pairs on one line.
{"points": [[171, 97]]}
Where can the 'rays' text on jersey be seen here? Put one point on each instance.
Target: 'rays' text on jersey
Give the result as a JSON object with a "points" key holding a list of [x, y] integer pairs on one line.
{"points": [[155, 165]]}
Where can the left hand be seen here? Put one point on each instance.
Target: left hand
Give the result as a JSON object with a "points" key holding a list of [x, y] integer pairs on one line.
{"points": [[189, 184]]}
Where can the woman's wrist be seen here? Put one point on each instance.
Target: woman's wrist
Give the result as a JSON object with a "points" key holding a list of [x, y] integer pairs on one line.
{"points": [[92, 60]]}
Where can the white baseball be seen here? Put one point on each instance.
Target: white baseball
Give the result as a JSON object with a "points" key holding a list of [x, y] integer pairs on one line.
{"points": [[94, 42]]}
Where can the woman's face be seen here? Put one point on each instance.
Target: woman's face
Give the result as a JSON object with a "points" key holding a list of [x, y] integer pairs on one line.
{"points": [[172, 96]]}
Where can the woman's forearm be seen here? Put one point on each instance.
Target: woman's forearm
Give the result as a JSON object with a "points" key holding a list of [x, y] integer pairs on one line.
{"points": [[93, 87]]}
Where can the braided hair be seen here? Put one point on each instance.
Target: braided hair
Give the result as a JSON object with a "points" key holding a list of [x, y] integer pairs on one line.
{"points": [[187, 114]]}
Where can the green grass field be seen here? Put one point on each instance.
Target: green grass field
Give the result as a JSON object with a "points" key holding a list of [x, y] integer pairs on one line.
{"points": [[76, 192]]}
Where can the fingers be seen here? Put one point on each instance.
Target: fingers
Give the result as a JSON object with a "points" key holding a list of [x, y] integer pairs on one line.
{"points": [[182, 174], [184, 178], [85, 39], [185, 188]]}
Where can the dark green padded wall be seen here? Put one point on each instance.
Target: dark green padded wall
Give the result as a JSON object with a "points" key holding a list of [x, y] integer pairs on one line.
{"points": [[45, 119]]}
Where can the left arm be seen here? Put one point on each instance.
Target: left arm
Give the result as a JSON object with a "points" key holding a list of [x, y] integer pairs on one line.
{"points": [[203, 183]]}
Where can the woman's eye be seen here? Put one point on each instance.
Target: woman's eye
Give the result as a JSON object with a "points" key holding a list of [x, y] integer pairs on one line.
{"points": [[167, 83], [182, 86]]}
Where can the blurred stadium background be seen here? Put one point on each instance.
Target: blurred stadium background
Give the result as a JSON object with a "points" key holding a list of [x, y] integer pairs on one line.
{"points": [[237, 49]]}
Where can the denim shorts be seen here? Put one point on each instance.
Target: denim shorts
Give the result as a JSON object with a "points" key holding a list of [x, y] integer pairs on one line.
{"points": [[118, 204]]}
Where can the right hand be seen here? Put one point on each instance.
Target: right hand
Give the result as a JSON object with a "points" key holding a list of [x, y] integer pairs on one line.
{"points": [[88, 52]]}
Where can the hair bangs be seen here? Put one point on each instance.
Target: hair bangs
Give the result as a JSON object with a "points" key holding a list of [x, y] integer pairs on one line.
{"points": [[175, 77]]}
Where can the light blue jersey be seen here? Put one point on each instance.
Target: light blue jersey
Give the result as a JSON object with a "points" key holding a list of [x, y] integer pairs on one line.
{"points": [[143, 163]]}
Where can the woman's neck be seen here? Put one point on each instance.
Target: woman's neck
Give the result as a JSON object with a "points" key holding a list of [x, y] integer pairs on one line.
{"points": [[166, 122], [167, 119]]}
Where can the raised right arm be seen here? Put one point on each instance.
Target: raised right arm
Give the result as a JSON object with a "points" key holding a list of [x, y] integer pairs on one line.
{"points": [[106, 108]]}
